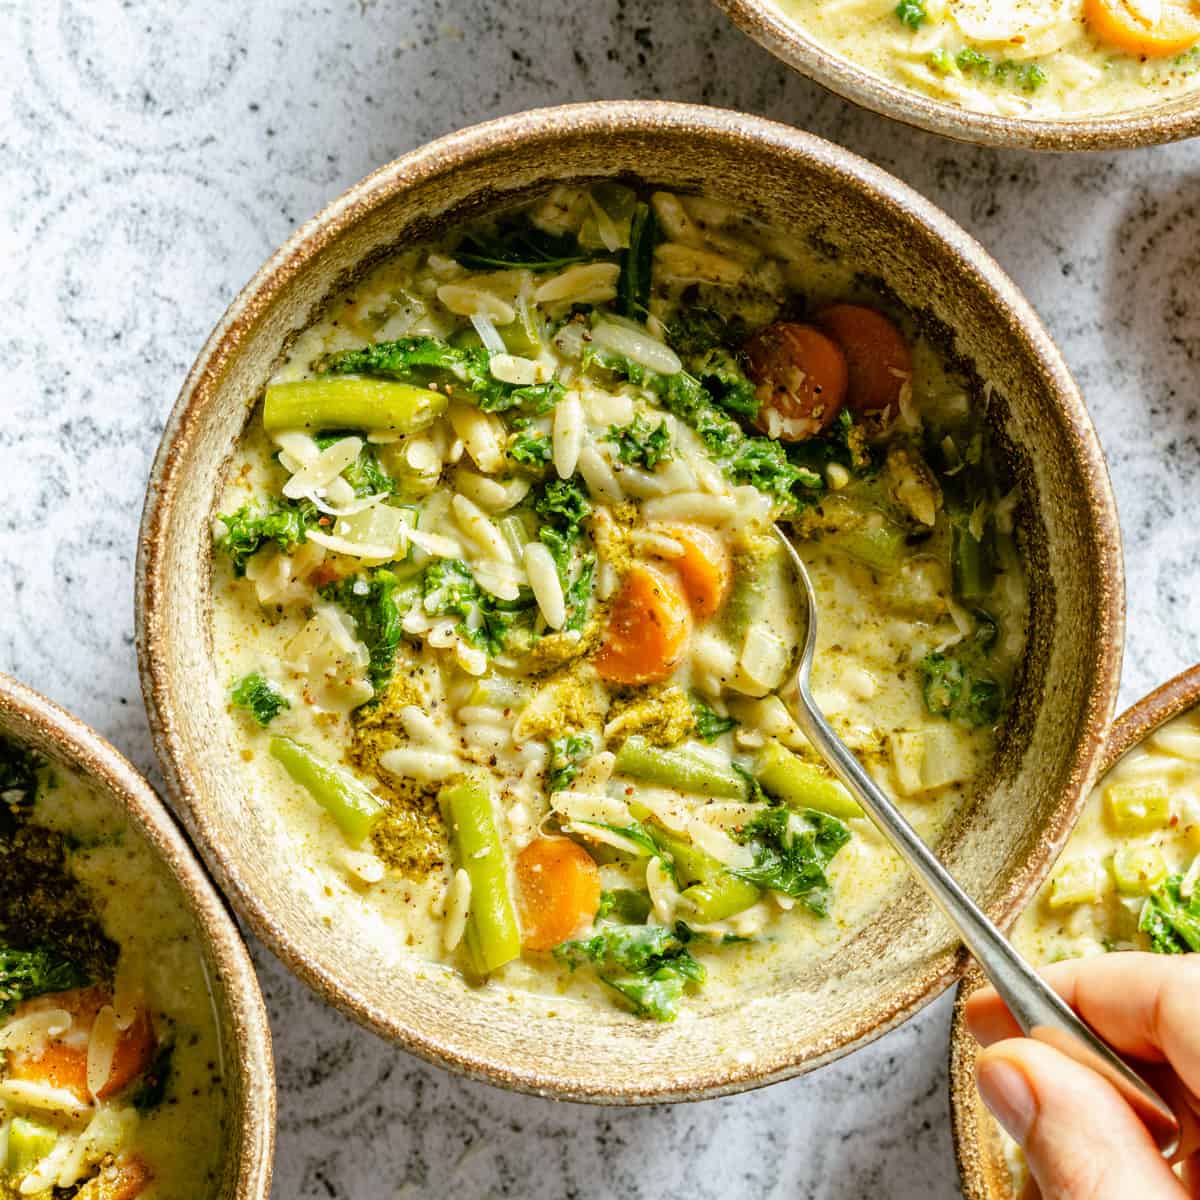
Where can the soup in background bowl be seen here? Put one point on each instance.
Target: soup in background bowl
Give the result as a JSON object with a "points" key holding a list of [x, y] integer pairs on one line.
{"points": [[469, 564], [1126, 880], [136, 1056]]}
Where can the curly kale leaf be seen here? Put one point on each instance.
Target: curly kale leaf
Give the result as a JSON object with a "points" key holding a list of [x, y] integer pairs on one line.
{"points": [[912, 13], [258, 696], [567, 754], [579, 593], [519, 245], [449, 590], [39, 971], [649, 965], [956, 686], [365, 475], [709, 724], [640, 444], [530, 449], [1171, 922], [377, 601], [791, 860], [565, 504], [625, 905], [244, 533]]}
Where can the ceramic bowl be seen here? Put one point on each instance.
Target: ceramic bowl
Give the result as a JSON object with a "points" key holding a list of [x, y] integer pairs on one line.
{"points": [[788, 41], [1046, 765], [34, 721], [977, 1144]]}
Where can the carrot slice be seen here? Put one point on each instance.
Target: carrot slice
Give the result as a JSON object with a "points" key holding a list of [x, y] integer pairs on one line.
{"points": [[801, 380], [878, 359], [648, 629], [1119, 24], [62, 1062], [705, 569], [558, 889]]}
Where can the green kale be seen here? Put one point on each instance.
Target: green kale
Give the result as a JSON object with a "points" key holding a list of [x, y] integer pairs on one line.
{"points": [[579, 593], [567, 753], [912, 13], [1027, 76], [721, 372], [449, 589], [244, 533], [518, 244], [625, 905], [259, 697], [956, 686], [649, 965], [637, 264], [377, 601], [365, 475], [565, 504], [531, 449], [151, 1090], [425, 362], [1171, 923], [641, 445], [38, 971], [793, 861], [695, 331], [536, 399], [709, 725]]}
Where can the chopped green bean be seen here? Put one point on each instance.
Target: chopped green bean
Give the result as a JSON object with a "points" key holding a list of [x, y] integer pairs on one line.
{"points": [[680, 769], [713, 892], [352, 805], [492, 936], [801, 785], [972, 561], [379, 405]]}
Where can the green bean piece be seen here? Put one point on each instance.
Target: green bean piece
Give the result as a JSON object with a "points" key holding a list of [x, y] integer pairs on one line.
{"points": [[801, 785], [758, 574], [352, 805], [972, 562], [378, 405], [879, 546], [523, 336], [679, 769], [28, 1144], [713, 892], [492, 935]]}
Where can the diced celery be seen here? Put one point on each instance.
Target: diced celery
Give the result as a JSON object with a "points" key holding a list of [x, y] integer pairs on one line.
{"points": [[1076, 881], [28, 1144], [1138, 869], [1138, 807], [875, 545], [523, 337], [379, 405], [801, 784]]}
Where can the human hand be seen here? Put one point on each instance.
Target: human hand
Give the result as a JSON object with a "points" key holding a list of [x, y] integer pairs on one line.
{"points": [[1081, 1140]]}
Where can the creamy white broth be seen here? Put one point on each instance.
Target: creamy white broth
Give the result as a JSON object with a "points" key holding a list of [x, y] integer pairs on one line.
{"points": [[491, 712], [1031, 58], [164, 1148]]}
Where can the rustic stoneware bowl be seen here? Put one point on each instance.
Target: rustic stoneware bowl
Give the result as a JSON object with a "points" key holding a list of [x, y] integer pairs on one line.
{"points": [[787, 39], [1000, 850], [977, 1143], [34, 721]]}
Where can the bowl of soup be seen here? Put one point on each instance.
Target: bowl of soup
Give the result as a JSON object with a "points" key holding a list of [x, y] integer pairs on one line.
{"points": [[1042, 74], [1126, 880], [136, 1055], [467, 635]]}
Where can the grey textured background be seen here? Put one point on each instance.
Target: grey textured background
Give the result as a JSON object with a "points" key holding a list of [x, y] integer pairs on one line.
{"points": [[152, 156]]}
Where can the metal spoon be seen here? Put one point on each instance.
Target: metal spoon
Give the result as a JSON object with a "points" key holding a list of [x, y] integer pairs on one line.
{"points": [[1038, 1009]]}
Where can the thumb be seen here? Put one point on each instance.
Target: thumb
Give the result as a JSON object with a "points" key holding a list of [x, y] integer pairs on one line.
{"points": [[1081, 1140]]}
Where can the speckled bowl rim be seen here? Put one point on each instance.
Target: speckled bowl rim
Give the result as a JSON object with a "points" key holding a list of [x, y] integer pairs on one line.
{"points": [[543, 127], [25, 713], [967, 1114], [1150, 126]]}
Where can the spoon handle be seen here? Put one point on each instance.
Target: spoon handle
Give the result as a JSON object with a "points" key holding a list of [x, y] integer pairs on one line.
{"points": [[1037, 1008]]}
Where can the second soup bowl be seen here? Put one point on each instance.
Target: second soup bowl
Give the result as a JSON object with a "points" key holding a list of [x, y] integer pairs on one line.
{"points": [[999, 846]]}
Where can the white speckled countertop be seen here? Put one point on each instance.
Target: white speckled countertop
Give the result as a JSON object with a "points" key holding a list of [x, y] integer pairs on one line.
{"points": [[154, 154]]}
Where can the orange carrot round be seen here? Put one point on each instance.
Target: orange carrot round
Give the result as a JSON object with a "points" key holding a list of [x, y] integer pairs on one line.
{"points": [[648, 629], [801, 380], [705, 568], [1119, 25], [558, 886], [878, 359]]}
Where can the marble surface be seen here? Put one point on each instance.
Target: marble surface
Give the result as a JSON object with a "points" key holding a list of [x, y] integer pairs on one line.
{"points": [[153, 155]]}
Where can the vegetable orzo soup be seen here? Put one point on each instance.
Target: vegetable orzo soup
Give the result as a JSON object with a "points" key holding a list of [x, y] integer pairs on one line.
{"points": [[1129, 878], [1025, 58], [503, 616], [110, 1077]]}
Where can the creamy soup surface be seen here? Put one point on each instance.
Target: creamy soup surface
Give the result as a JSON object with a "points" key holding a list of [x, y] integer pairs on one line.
{"points": [[1020, 58], [1129, 878], [110, 1058], [503, 618]]}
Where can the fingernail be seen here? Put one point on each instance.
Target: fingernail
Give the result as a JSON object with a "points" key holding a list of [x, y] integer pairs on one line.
{"points": [[1006, 1091]]}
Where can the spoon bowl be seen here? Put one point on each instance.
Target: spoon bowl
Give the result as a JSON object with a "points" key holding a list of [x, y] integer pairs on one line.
{"points": [[1037, 1008]]}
